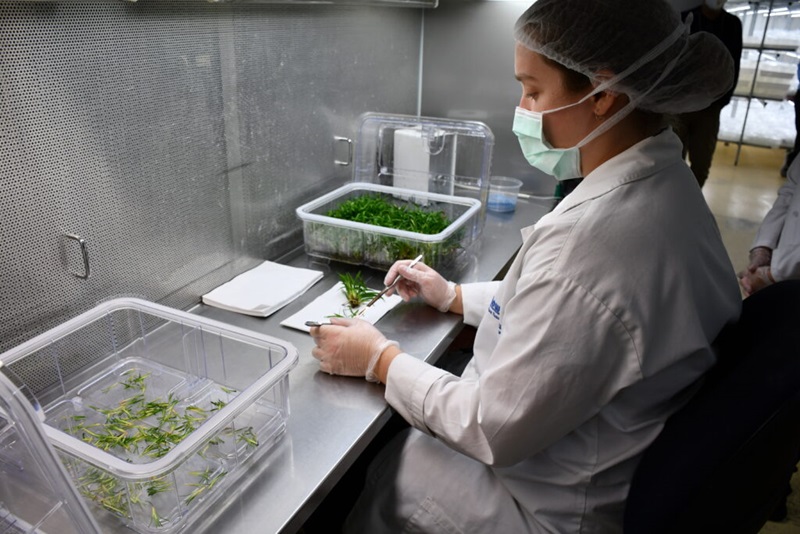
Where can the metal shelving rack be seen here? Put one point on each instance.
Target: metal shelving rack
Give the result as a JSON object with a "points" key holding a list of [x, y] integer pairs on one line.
{"points": [[768, 10]]}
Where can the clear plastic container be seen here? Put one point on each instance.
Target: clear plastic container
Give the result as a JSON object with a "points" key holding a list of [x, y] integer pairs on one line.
{"points": [[36, 494], [377, 246], [154, 412], [427, 154], [503, 193]]}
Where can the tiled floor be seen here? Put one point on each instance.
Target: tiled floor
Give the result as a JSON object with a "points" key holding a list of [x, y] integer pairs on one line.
{"points": [[740, 195]]}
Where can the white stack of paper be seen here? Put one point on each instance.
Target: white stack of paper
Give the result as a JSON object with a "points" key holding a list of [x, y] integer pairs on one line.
{"points": [[333, 302], [263, 290]]}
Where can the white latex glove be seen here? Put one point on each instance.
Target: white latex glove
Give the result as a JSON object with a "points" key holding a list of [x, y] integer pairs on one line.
{"points": [[421, 281], [349, 347]]}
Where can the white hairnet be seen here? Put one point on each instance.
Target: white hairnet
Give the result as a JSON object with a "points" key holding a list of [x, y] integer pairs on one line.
{"points": [[642, 43]]}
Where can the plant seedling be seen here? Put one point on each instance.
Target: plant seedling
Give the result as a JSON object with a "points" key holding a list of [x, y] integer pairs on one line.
{"points": [[355, 291]]}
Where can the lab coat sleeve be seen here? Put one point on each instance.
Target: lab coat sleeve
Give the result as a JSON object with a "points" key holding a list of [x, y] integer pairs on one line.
{"points": [[475, 298], [770, 231], [786, 262], [561, 357], [407, 386]]}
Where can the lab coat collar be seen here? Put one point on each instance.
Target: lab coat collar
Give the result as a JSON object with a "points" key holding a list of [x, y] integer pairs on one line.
{"points": [[643, 159]]}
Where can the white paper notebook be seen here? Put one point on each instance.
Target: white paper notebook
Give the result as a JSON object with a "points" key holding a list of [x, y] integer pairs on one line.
{"points": [[333, 302], [263, 290]]}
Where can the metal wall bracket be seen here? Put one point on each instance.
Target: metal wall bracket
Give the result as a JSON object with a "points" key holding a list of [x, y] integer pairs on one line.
{"points": [[84, 254]]}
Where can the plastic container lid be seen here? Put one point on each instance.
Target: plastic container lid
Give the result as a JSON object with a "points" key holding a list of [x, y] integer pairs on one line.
{"points": [[428, 154]]}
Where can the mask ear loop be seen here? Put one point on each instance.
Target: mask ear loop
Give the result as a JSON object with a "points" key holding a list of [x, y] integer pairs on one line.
{"points": [[631, 105]]}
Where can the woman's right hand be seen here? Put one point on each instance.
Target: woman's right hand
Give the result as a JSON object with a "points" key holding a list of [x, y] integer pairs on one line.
{"points": [[421, 281]]}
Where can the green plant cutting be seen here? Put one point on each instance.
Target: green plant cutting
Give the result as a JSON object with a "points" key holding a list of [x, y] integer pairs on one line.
{"points": [[149, 428]]}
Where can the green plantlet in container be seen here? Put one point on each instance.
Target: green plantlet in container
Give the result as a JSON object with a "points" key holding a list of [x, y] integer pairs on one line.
{"points": [[158, 485], [377, 246], [155, 519], [136, 382], [206, 481], [379, 211], [247, 436]]}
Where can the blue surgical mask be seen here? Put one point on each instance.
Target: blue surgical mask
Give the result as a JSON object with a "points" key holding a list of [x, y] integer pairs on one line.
{"points": [[562, 163]]}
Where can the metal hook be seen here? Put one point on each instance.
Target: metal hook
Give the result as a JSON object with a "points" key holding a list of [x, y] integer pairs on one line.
{"points": [[84, 253]]}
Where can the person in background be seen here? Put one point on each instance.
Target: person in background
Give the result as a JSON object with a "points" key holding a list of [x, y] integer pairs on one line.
{"points": [[698, 130], [775, 254], [792, 154], [604, 321]]}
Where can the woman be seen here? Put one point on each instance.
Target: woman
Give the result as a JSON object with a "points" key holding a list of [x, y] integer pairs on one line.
{"points": [[603, 322]]}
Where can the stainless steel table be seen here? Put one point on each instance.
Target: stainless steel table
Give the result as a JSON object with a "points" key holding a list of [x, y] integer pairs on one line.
{"points": [[332, 418]]}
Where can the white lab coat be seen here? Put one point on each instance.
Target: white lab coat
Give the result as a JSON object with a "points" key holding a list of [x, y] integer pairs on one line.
{"points": [[605, 317], [780, 229]]}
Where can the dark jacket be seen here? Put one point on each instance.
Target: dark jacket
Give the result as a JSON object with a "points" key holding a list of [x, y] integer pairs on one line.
{"points": [[728, 28]]}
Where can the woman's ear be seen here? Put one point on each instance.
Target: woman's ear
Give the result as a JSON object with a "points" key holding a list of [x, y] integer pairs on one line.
{"points": [[607, 102]]}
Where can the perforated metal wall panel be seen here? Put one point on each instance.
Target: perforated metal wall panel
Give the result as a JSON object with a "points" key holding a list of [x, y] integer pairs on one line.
{"points": [[176, 138]]}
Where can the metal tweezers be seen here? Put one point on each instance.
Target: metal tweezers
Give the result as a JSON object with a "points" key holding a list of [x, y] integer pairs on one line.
{"points": [[380, 295], [375, 299]]}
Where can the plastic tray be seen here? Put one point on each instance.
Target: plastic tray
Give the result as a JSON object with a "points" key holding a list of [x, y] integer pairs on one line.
{"points": [[167, 413], [379, 247]]}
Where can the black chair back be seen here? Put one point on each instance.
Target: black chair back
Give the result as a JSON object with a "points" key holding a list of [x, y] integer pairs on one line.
{"points": [[722, 462]]}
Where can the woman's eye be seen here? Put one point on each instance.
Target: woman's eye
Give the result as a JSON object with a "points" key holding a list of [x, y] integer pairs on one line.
{"points": [[531, 96]]}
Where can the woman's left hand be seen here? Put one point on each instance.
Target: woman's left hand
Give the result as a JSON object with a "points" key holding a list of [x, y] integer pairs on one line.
{"points": [[348, 347]]}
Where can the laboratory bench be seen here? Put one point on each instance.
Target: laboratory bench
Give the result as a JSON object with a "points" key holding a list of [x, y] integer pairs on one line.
{"points": [[333, 419]]}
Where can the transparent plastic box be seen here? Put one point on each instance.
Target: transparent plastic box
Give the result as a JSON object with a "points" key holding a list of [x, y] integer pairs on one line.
{"points": [[154, 412], [427, 154], [377, 246], [36, 494]]}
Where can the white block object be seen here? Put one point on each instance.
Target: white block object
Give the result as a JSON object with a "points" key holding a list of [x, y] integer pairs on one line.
{"points": [[412, 160]]}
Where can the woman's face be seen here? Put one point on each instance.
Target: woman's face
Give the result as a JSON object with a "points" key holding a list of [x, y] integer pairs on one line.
{"points": [[544, 88]]}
